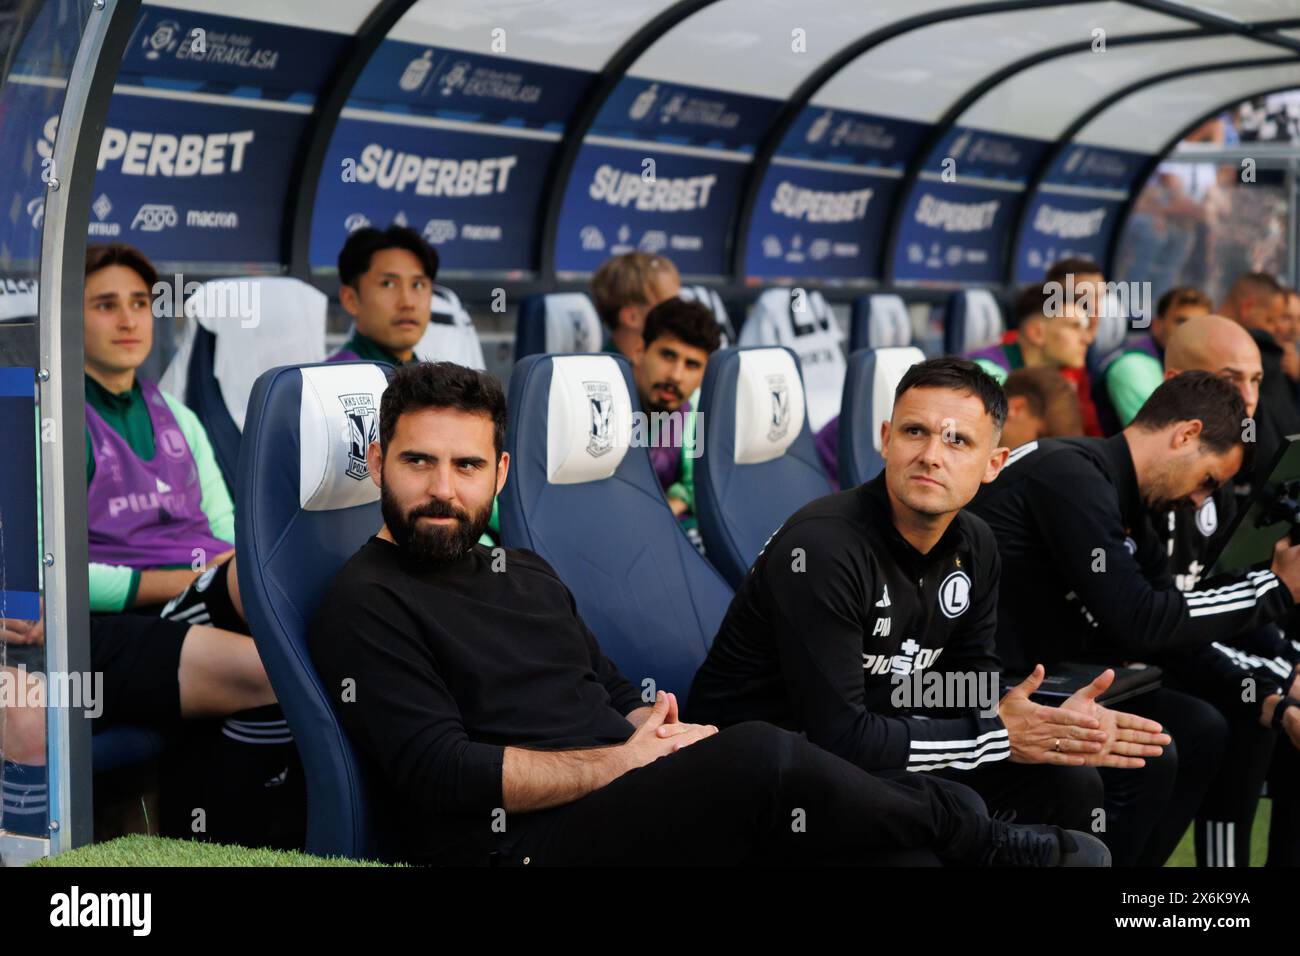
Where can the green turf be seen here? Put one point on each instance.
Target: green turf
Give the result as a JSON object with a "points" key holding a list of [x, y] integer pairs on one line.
{"points": [[1185, 854], [142, 850]]}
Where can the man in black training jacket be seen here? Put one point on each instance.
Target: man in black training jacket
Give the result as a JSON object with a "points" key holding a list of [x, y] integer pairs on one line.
{"points": [[1086, 578], [868, 623], [502, 734]]}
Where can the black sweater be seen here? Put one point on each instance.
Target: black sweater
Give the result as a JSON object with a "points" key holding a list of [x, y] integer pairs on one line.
{"points": [[839, 607], [449, 665], [1085, 575]]}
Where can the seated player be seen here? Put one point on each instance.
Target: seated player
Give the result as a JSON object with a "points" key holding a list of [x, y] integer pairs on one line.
{"points": [[158, 512], [896, 568], [1257, 303], [1054, 341], [386, 285], [1128, 380], [1092, 583], [679, 338], [1040, 404], [1059, 341], [1262, 659], [501, 733], [624, 290]]}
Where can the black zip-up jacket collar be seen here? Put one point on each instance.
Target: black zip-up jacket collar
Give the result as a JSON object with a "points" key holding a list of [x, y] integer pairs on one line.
{"points": [[875, 499]]}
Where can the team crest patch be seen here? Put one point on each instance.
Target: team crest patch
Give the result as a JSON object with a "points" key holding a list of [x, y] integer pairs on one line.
{"points": [[173, 443], [1207, 518], [779, 422], [363, 429], [601, 438], [954, 594]]}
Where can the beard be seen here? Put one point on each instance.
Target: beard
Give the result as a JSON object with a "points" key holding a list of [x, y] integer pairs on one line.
{"points": [[1160, 496], [432, 544], [654, 405]]}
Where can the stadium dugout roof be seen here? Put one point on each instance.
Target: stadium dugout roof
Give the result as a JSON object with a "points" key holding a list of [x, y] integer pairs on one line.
{"points": [[840, 143]]}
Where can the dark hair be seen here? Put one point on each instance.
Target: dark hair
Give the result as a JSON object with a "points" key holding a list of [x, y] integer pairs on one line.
{"points": [[442, 385], [102, 255], [1073, 266], [692, 322], [1031, 303], [361, 245], [1182, 295], [1257, 283], [1197, 396], [1050, 396], [959, 375]]}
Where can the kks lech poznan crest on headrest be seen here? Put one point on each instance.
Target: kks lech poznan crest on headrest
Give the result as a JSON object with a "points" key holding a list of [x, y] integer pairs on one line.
{"points": [[363, 428], [601, 402]]}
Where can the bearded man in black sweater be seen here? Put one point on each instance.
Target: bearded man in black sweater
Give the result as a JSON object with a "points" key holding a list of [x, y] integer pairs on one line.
{"points": [[500, 733]]}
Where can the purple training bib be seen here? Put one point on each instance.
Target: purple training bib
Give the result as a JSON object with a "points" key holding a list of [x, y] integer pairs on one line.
{"points": [[146, 514]]}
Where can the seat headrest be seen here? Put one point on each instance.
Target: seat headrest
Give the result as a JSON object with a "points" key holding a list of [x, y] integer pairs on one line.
{"points": [[246, 301], [446, 302], [891, 365], [450, 335], [260, 322], [572, 324], [18, 299], [338, 418], [889, 325], [710, 298], [981, 321], [1112, 325], [588, 419], [769, 405], [800, 312]]}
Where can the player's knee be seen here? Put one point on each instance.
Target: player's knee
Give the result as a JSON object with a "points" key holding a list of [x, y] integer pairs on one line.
{"points": [[760, 752], [22, 735], [1076, 795], [963, 795]]}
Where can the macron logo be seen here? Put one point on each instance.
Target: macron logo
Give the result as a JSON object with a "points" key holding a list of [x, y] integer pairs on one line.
{"points": [[884, 598], [133, 910]]}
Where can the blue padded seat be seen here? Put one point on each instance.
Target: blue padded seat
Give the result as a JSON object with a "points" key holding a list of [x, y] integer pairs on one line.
{"points": [[759, 464], [304, 504], [869, 387], [557, 322], [591, 506]]}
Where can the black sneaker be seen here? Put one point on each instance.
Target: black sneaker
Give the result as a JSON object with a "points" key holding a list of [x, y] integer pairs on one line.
{"points": [[1039, 845]]}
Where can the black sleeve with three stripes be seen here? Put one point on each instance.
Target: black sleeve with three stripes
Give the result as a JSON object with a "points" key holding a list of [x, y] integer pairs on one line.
{"points": [[1230, 605], [1132, 597], [1237, 675]]}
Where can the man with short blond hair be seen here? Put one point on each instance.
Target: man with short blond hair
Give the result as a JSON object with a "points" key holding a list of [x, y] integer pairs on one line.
{"points": [[624, 289]]}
